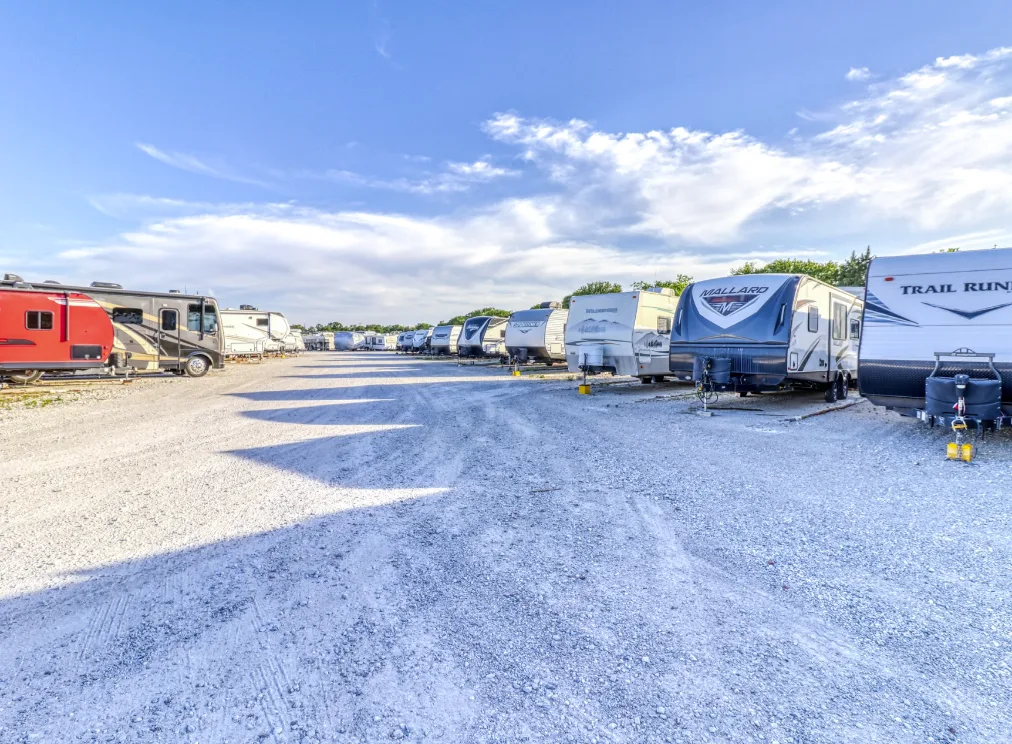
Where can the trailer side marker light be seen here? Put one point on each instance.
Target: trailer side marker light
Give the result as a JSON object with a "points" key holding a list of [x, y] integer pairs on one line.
{"points": [[584, 389], [888, 278]]}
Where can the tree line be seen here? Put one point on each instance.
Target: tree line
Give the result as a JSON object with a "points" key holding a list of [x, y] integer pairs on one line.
{"points": [[848, 273]]}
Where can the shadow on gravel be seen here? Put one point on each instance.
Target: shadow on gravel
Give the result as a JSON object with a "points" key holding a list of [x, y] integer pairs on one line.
{"points": [[343, 393], [363, 372], [326, 415]]}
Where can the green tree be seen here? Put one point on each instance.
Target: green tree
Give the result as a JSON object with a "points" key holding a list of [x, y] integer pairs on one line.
{"points": [[828, 272], [854, 271], [592, 288], [493, 311], [678, 285]]}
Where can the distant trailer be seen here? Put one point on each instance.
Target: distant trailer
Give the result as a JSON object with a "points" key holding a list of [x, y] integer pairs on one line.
{"points": [[625, 333], [154, 330], [51, 331], [538, 335], [349, 341], [380, 341], [420, 340], [483, 336], [444, 339], [762, 332], [938, 315], [253, 332]]}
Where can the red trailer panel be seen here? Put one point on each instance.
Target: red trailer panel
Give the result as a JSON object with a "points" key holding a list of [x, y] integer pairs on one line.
{"points": [[51, 331]]}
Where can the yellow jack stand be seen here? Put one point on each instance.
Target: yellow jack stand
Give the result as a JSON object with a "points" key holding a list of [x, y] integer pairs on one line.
{"points": [[516, 373], [584, 389]]}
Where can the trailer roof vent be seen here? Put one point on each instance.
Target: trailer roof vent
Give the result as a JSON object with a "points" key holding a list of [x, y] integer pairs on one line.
{"points": [[554, 305], [106, 285], [246, 307], [50, 281], [12, 278], [662, 290], [174, 291]]}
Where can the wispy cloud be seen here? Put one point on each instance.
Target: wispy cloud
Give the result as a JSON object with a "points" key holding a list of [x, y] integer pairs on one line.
{"points": [[456, 178], [193, 164], [858, 73]]}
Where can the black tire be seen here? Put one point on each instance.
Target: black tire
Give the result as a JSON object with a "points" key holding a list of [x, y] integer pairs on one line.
{"points": [[197, 366], [25, 378], [743, 393], [658, 378], [549, 363], [844, 387], [646, 380], [832, 392]]}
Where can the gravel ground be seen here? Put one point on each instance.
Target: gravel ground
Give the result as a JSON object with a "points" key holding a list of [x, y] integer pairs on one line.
{"points": [[368, 547]]}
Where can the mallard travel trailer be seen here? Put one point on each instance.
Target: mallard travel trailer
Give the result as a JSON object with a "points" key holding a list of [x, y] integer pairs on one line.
{"points": [[537, 335], [483, 336], [154, 330], [938, 316], [420, 340], [444, 339], [764, 332], [625, 333], [50, 331]]}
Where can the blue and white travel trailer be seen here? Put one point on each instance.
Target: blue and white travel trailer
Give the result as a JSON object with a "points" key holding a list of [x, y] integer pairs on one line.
{"points": [[483, 336], [420, 340], [937, 315], [625, 333], [538, 335], [764, 332], [444, 339]]}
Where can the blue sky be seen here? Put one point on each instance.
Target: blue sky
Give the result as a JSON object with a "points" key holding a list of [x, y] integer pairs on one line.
{"points": [[409, 161]]}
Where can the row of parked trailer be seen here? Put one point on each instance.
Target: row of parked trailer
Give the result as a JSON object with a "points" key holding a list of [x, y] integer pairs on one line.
{"points": [[928, 335]]}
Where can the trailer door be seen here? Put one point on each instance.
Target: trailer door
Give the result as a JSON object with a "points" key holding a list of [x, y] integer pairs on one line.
{"points": [[168, 337], [839, 345]]}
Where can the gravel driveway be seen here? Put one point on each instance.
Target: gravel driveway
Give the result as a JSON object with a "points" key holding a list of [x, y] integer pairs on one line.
{"points": [[369, 547]]}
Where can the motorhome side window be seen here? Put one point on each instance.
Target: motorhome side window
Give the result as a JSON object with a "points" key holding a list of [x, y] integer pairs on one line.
{"points": [[127, 315], [39, 320], [193, 319], [263, 322], [664, 325], [839, 322], [855, 328], [813, 319]]}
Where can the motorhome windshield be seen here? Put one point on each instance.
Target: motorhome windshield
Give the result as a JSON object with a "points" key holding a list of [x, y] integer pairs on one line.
{"points": [[210, 324]]}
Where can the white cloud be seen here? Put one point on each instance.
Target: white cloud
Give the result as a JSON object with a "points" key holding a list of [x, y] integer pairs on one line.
{"points": [[923, 159], [858, 73], [193, 164]]}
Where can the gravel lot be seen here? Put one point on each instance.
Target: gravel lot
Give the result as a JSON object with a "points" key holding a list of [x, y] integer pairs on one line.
{"points": [[368, 547]]}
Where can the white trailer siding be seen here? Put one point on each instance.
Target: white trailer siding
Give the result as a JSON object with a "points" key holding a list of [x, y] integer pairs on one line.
{"points": [[920, 305], [444, 339], [537, 335]]}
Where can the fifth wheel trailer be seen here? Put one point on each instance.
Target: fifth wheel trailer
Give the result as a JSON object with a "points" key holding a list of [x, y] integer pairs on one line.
{"points": [[763, 332], [249, 331], [625, 333], [939, 313], [538, 335], [155, 330]]}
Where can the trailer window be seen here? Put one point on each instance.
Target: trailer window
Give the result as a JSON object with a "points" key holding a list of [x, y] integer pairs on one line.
{"points": [[780, 317], [127, 315], [193, 319], [664, 325], [813, 319], [263, 322], [39, 320], [855, 328], [839, 322]]}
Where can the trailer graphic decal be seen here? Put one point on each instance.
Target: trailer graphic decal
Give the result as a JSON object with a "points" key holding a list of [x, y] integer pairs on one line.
{"points": [[969, 314], [875, 311], [729, 304]]}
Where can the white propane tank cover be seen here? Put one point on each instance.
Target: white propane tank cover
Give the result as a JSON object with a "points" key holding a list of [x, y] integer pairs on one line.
{"points": [[592, 356]]}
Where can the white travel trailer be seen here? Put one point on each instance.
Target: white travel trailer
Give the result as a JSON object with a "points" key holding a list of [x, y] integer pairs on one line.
{"points": [[349, 341], [538, 335], [293, 342], [625, 333], [940, 315], [249, 331], [444, 339], [404, 340], [313, 341], [762, 332], [420, 340], [483, 336], [380, 341]]}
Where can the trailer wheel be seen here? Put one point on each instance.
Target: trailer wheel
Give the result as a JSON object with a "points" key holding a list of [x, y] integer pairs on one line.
{"points": [[844, 383], [25, 378], [197, 366], [832, 392], [658, 378], [646, 380]]}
